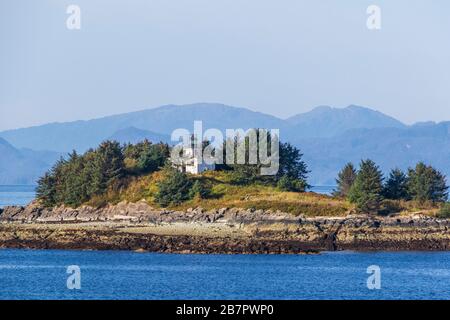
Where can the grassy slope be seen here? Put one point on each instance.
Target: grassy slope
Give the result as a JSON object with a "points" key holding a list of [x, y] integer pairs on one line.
{"points": [[255, 196], [225, 194]]}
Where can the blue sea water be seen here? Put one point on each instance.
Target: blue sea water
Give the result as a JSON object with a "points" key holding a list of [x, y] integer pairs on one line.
{"points": [[328, 190], [16, 195], [42, 274]]}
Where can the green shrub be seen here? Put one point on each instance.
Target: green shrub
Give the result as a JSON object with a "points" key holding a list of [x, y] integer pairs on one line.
{"points": [[174, 189], [287, 183], [77, 179], [199, 190], [445, 211]]}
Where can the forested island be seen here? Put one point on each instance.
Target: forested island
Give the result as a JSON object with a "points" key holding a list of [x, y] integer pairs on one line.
{"points": [[132, 197]]}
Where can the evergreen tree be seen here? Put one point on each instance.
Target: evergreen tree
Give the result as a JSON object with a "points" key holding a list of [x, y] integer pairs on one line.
{"points": [[395, 187], [110, 163], [292, 164], [152, 158], [74, 193], [366, 191], [46, 189], [287, 183], [199, 190], [444, 212], [174, 189], [345, 180], [75, 180], [92, 175], [145, 157], [246, 172], [427, 184]]}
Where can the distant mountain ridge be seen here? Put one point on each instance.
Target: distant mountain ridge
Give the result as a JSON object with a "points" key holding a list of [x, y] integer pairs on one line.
{"points": [[388, 147], [329, 137], [325, 121], [23, 166], [135, 135], [81, 135]]}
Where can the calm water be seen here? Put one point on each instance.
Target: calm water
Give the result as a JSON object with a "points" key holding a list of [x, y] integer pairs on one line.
{"points": [[16, 195], [328, 190], [41, 274]]}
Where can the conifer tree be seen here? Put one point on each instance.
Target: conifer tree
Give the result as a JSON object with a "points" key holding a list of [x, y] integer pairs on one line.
{"points": [[174, 189], [110, 164], [199, 190], [427, 184], [366, 191], [395, 187], [345, 180]]}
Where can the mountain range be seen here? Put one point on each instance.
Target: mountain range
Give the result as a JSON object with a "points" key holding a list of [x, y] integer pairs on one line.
{"points": [[23, 166], [329, 137]]}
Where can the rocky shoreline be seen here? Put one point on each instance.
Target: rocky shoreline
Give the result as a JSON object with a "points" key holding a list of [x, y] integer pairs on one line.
{"points": [[138, 226]]}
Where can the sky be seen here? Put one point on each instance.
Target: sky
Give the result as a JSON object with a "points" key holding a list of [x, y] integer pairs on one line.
{"points": [[280, 57]]}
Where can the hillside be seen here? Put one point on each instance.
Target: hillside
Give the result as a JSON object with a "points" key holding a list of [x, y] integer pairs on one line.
{"points": [[325, 121], [329, 137], [81, 135], [134, 135], [225, 194], [22, 166], [389, 147]]}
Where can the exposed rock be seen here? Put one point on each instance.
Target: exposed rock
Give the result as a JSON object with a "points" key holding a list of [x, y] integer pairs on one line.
{"points": [[241, 231]]}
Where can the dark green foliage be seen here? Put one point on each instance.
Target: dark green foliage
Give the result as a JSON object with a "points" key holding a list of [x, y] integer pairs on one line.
{"points": [[395, 187], [245, 174], [291, 164], [287, 183], [199, 190], [80, 178], [427, 184], [153, 158], [146, 157], [345, 180], [46, 189], [75, 180], [174, 189], [109, 164], [366, 192]]}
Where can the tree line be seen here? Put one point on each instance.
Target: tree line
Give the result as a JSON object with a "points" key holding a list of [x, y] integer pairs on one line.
{"points": [[76, 179], [367, 188], [291, 175]]}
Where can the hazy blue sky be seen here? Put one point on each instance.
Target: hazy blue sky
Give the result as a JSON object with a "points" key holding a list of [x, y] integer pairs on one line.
{"points": [[279, 57]]}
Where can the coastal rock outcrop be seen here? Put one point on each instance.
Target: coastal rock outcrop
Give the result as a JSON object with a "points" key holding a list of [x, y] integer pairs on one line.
{"points": [[139, 226]]}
